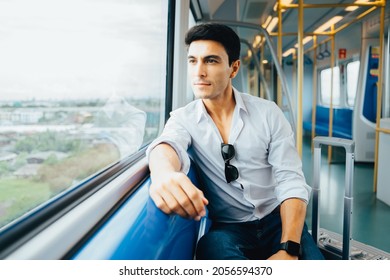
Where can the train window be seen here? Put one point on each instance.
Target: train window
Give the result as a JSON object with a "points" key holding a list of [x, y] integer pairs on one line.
{"points": [[352, 81], [82, 86], [325, 83]]}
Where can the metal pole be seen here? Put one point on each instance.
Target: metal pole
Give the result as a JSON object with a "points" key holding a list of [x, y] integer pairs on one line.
{"points": [[348, 202], [300, 79], [314, 109], [379, 93], [332, 65], [344, 5], [316, 194], [280, 52]]}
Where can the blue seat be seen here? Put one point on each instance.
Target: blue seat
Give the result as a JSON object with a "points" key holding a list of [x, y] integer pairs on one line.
{"points": [[342, 122], [138, 230]]}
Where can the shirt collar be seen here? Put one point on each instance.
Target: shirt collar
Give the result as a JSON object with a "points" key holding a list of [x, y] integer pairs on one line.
{"points": [[239, 101], [202, 112]]}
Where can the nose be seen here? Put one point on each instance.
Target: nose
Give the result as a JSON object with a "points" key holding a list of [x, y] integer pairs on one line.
{"points": [[199, 69]]}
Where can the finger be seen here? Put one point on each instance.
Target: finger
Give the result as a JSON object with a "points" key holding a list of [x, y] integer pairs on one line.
{"points": [[175, 206], [162, 198], [205, 201], [183, 200], [160, 203], [167, 196], [196, 197]]}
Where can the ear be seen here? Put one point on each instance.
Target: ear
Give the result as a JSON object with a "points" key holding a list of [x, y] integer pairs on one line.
{"points": [[235, 67]]}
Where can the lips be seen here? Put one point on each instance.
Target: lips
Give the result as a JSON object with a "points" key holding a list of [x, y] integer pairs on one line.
{"points": [[202, 83]]}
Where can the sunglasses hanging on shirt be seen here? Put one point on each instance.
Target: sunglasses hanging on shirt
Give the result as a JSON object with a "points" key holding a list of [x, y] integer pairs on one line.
{"points": [[228, 153]]}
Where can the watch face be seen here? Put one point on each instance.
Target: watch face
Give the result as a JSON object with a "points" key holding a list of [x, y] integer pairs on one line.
{"points": [[291, 247]]}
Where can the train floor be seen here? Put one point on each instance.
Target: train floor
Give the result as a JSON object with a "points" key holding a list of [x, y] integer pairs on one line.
{"points": [[370, 218]]}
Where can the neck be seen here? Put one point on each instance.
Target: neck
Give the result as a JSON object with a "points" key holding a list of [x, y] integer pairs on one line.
{"points": [[221, 108], [221, 112]]}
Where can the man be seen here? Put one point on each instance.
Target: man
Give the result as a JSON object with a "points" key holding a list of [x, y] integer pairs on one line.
{"points": [[253, 185]]}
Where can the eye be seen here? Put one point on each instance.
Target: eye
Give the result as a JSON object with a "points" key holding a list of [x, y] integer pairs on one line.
{"points": [[191, 61], [211, 61]]}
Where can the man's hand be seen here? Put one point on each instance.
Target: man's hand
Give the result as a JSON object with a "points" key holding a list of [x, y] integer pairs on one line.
{"points": [[173, 192]]}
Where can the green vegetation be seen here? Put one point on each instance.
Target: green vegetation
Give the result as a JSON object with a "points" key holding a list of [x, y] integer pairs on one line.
{"points": [[48, 141], [17, 196], [61, 175]]}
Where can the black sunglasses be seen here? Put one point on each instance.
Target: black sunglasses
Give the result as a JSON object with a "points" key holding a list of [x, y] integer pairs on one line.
{"points": [[228, 152]]}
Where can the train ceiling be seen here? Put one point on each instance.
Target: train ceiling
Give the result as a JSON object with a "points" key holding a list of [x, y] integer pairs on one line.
{"points": [[258, 11]]}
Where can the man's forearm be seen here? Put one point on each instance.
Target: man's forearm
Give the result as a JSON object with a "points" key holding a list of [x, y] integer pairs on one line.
{"points": [[163, 158], [293, 213]]}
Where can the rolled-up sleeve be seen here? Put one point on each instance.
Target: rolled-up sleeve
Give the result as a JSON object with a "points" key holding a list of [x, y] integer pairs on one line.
{"points": [[175, 135], [286, 163], [287, 168]]}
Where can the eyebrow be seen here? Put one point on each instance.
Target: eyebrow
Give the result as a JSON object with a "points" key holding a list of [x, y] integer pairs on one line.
{"points": [[216, 57]]}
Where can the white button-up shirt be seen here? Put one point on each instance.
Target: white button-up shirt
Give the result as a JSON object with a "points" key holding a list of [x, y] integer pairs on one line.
{"points": [[270, 169]]}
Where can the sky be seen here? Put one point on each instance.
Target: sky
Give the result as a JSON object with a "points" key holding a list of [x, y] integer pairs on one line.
{"points": [[71, 49]]}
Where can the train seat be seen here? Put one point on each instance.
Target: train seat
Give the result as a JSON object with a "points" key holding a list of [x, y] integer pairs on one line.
{"points": [[342, 122], [138, 230]]}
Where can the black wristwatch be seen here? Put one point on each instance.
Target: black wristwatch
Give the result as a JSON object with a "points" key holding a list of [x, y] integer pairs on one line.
{"points": [[291, 247]]}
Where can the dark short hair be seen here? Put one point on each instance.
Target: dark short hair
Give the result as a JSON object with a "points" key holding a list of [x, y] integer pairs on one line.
{"points": [[219, 33]]}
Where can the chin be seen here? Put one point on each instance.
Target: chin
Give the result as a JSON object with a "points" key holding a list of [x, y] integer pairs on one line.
{"points": [[200, 94]]}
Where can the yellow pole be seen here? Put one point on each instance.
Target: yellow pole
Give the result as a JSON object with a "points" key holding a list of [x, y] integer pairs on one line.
{"points": [[314, 110], [294, 76], [332, 64], [300, 77], [379, 93], [357, 18], [280, 52], [384, 130], [332, 5]]}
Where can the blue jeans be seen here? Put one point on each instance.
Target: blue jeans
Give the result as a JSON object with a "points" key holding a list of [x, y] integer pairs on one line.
{"points": [[255, 240]]}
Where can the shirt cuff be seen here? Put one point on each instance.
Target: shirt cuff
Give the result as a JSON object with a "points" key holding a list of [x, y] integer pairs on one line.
{"points": [[301, 191], [180, 151]]}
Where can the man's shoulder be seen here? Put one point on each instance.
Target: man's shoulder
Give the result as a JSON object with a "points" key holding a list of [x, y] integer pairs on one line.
{"points": [[188, 110], [251, 100]]}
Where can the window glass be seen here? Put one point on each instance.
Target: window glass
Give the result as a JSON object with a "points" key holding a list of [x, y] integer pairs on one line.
{"points": [[82, 85], [325, 82], [352, 81]]}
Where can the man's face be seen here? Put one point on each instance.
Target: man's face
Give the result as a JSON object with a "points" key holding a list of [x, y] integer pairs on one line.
{"points": [[209, 71]]}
